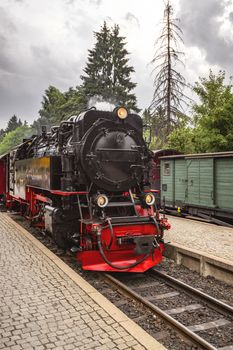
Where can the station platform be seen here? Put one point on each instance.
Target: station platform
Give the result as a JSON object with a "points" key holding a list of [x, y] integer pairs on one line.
{"points": [[44, 304], [204, 237]]}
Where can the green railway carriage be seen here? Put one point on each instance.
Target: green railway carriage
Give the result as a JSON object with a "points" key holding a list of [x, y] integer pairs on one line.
{"points": [[200, 184]]}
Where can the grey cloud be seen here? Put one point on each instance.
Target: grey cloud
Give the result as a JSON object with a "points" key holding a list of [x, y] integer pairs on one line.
{"points": [[70, 2], [200, 22], [132, 18], [231, 16], [95, 2], [7, 23], [17, 97], [108, 19], [29, 66], [7, 31], [40, 51], [144, 81], [4, 61]]}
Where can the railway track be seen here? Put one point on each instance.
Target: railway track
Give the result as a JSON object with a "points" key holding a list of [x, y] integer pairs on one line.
{"points": [[147, 293]]}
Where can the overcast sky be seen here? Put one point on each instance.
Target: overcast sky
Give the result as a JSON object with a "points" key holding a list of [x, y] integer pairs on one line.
{"points": [[45, 43]]}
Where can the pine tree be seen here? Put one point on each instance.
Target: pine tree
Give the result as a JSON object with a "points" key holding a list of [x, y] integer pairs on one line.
{"points": [[107, 72], [97, 67], [120, 71], [52, 101], [2, 132], [169, 83], [58, 106], [13, 123], [75, 102]]}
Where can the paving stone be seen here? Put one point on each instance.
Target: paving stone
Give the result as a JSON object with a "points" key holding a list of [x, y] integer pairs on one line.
{"points": [[50, 346], [69, 347], [102, 347], [42, 308], [16, 347], [122, 346], [138, 347], [115, 336], [9, 343], [132, 343]]}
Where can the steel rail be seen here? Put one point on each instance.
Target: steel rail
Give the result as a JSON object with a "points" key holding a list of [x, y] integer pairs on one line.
{"points": [[193, 337], [184, 287]]}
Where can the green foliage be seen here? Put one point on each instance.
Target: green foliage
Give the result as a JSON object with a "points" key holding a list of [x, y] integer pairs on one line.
{"points": [[2, 132], [75, 102], [213, 95], [14, 138], [58, 106], [52, 102], [107, 73], [212, 117], [182, 140]]}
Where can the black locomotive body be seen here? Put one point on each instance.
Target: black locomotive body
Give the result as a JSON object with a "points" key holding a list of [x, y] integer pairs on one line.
{"points": [[87, 183]]}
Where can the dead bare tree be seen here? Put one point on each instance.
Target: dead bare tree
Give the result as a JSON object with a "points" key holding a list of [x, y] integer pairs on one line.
{"points": [[169, 84]]}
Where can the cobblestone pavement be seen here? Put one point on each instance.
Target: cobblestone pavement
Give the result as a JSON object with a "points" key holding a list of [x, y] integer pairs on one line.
{"points": [[42, 308], [209, 238]]}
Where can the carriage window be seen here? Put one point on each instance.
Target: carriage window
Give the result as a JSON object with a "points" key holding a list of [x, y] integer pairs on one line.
{"points": [[166, 170]]}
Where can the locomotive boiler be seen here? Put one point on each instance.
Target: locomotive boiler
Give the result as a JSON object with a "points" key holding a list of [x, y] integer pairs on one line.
{"points": [[86, 182]]}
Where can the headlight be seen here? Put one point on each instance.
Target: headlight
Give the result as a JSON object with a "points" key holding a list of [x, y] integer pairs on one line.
{"points": [[122, 112], [149, 199], [102, 200]]}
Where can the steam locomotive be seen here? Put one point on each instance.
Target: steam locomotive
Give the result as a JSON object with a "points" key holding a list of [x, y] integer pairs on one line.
{"points": [[86, 182]]}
